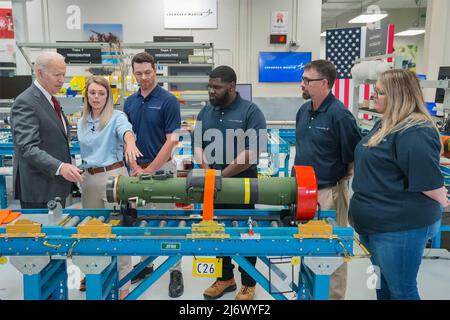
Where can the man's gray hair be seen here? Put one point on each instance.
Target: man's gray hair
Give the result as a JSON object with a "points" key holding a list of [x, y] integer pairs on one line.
{"points": [[44, 59]]}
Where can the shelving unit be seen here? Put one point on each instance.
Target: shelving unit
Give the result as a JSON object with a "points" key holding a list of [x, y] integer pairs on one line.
{"points": [[124, 52], [439, 84], [397, 63], [358, 109]]}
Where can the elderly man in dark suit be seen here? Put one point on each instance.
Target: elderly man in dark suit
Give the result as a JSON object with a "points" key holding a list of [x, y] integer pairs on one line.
{"points": [[42, 167]]}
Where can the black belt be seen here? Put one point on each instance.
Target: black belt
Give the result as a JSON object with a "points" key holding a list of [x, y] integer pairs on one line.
{"points": [[326, 185]]}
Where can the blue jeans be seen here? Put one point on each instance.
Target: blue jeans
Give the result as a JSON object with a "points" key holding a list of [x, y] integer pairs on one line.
{"points": [[398, 256]]}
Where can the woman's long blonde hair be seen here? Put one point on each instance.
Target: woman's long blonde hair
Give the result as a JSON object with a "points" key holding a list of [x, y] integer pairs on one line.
{"points": [[405, 106], [108, 109]]}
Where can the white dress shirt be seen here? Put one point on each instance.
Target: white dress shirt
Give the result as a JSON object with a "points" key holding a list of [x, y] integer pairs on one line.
{"points": [[48, 96]]}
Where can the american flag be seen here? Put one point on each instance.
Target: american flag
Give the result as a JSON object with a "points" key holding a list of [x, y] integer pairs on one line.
{"points": [[343, 90], [343, 47]]}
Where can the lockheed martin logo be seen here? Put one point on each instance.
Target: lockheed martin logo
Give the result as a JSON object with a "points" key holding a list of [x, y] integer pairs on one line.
{"points": [[206, 13], [287, 67]]}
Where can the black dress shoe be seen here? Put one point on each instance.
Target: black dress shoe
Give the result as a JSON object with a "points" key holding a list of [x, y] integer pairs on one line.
{"points": [[176, 287], [144, 274]]}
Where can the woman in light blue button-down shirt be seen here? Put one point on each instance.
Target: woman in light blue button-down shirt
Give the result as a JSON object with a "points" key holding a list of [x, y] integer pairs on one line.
{"points": [[105, 136]]}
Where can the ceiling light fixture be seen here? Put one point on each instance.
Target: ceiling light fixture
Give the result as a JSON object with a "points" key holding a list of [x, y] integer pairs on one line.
{"points": [[369, 16], [415, 30], [410, 32]]}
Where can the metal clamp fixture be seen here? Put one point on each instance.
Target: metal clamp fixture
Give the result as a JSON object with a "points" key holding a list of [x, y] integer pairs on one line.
{"points": [[208, 229], [315, 229], [23, 229], [94, 229]]}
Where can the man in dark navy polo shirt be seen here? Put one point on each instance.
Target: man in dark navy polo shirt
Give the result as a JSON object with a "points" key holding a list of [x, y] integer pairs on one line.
{"points": [[155, 115], [229, 135], [326, 137]]}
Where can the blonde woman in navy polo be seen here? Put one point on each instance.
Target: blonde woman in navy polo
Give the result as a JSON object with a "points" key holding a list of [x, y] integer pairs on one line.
{"points": [[398, 187]]}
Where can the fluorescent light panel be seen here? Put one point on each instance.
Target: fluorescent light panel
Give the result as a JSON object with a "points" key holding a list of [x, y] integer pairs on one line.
{"points": [[410, 32], [369, 17]]}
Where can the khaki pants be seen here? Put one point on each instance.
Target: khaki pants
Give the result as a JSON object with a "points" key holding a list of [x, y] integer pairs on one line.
{"points": [[93, 195], [168, 166], [337, 198]]}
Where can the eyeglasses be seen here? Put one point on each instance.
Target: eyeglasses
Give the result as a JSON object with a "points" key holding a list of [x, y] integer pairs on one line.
{"points": [[377, 93], [307, 81]]}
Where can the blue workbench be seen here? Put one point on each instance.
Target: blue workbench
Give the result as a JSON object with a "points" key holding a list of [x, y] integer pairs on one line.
{"points": [[42, 259]]}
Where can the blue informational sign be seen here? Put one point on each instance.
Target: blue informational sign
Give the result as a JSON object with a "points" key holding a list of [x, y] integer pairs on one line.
{"points": [[282, 66]]}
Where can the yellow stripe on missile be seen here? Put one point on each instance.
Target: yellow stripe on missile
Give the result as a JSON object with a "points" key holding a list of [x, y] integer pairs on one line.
{"points": [[246, 191]]}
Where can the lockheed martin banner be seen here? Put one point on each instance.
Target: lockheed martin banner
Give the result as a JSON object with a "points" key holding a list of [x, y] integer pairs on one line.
{"points": [[190, 14], [282, 66]]}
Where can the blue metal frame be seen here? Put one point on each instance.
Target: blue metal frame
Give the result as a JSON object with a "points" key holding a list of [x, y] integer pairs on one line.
{"points": [[3, 192], [50, 283], [147, 283], [105, 285], [148, 241], [258, 276], [136, 270], [312, 286], [288, 135], [134, 242]]}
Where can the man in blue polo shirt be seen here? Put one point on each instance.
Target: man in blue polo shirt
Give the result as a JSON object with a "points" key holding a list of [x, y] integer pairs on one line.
{"points": [[155, 115], [229, 135], [326, 137]]}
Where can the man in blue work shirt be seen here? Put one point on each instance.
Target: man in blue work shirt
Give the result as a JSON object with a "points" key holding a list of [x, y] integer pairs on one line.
{"points": [[326, 137], [155, 115], [229, 135]]}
